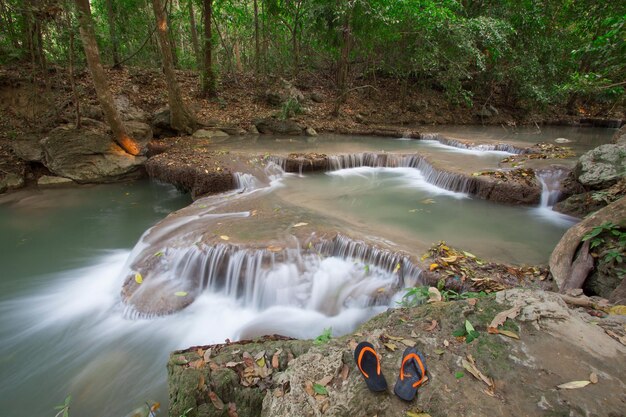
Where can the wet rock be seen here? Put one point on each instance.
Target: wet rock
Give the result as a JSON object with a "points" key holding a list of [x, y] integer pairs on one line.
{"points": [[87, 156], [11, 181], [52, 181], [579, 205], [209, 134], [602, 167], [309, 131], [233, 130], [28, 148], [253, 130], [619, 137], [90, 111], [273, 125], [567, 250]]}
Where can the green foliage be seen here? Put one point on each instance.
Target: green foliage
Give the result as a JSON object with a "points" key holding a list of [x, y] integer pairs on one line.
{"points": [[610, 239], [64, 409], [324, 337], [290, 108], [467, 331]]}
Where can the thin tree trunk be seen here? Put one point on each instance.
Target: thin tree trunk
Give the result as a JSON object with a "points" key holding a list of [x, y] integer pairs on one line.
{"points": [[257, 46], [71, 73], [88, 36], [342, 68], [194, 33], [209, 88], [115, 43], [180, 119], [170, 33]]}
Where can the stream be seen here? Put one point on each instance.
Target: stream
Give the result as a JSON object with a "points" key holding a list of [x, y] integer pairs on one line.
{"points": [[64, 329]]}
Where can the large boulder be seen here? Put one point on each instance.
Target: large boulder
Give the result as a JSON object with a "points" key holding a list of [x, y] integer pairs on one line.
{"points": [[566, 254], [129, 112], [209, 134], [273, 125], [51, 181], [11, 181], [283, 93], [602, 167], [161, 123], [88, 156], [28, 148]]}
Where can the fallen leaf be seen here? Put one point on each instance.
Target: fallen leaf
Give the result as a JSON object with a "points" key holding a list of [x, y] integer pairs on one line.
{"points": [[325, 381], [344, 372], [618, 310], [508, 333], [197, 364], [180, 360], [469, 255], [158, 254], [416, 414], [308, 387], [439, 351], [232, 364], [470, 366], [433, 267], [276, 360], [217, 402], [433, 325], [138, 278], [450, 259], [396, 338], [300, 224], [428, 201], [434, 295], [273, 248], [472, 301], [621, 339], [392, 347], [593, 378], [320, 389], [180, 293], [446, 343], [207, 355], [397, 268], [201, 383], [232, 410], [224, 237], [413, 334], [408, 342], [501, 317], [574, 384]]}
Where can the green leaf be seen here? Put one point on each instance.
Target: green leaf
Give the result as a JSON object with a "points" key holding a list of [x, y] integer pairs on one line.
{"points": [[320, 389], [468, 327], [159, 253], [459, 374], [458, 333]]}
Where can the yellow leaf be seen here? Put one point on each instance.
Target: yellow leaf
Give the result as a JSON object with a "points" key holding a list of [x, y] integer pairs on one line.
{"points": [[138, 278], [433, 266], [273, 248], [397, 268], [391, 346], [449, 259], [299, 224], [408, 342], [574, 384], [261, 362], [508, 334], [416, 414], [224, 237], [618, 310], [180, 293]]}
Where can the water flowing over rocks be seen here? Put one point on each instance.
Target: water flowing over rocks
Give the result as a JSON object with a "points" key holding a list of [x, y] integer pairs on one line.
{"points": [[275, 377]]}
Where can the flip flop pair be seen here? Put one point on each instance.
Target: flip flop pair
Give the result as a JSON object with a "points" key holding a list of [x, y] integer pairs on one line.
{"points": [[413, 372]]}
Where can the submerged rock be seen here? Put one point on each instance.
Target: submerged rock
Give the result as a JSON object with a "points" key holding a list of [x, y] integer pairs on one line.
{"points": [[51, 181], [276, 377]]}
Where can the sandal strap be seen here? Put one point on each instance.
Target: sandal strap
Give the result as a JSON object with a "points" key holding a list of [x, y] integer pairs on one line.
{"points": [[373, 352]]}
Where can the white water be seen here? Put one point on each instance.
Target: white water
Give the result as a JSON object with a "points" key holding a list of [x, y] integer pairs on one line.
{"points": [[72, 332], [550, 181], [478, 150]]}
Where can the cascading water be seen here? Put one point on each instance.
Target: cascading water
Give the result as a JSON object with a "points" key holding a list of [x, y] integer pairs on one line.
{"points": [[551, 180], [504, 148]]}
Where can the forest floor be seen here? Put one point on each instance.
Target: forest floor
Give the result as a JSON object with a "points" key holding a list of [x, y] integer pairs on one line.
{"points": [[34, 104]]}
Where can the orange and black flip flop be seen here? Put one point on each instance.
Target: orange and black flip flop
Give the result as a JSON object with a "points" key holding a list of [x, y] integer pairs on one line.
{"points": [[413, 373], [367, 360]]}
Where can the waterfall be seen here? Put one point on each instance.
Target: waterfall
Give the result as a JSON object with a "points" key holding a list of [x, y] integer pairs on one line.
{"points": [[550, 180], [327, 276], [246, 182], [501, 147]]}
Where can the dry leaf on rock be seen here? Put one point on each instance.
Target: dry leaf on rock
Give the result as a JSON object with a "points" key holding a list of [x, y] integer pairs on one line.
{"points": [[391, 346], [325, 381], [501, 317], [300, 224], [344, 372], [593, 378], [232, 410], [408, 342], [433, 325], [217, 402], [470, 366], [574, 384], [224, 237], [308, 387], [434, 295], [508, 333]]}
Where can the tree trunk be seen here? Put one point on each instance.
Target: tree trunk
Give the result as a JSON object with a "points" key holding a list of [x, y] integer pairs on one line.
{"points": [[209, 88], [170, 33], [71, 71], [257, 47], [180, 119], [115, 43], [33, 36], [194, 33], [88, 36], [342, 67]]}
